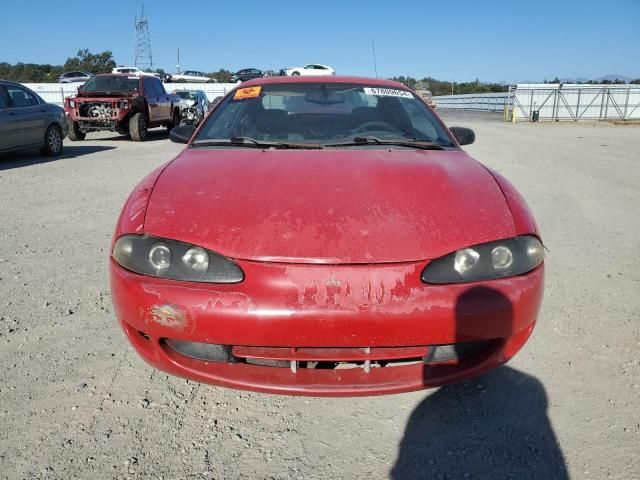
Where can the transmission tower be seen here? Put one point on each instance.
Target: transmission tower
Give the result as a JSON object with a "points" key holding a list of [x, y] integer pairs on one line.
{"points": [[144, 59]]}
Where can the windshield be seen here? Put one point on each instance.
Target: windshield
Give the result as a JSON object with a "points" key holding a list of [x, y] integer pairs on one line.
{"points": [[186, 95], [115, 83], [323, 113]]}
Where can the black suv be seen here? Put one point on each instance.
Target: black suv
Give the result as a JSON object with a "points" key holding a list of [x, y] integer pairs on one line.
{"points": [[246, 74]]}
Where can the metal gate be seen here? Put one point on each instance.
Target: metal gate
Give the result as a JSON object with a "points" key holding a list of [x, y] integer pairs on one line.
{"points": [[575, 102]]}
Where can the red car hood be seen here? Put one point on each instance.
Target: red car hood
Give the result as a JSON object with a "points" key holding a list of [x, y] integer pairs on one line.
{"points": [[328, 206]]}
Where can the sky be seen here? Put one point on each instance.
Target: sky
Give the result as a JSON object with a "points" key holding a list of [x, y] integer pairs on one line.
{"points": [[503, 41]]}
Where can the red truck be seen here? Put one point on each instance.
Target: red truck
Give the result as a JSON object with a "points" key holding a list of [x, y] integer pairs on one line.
{"points": [[121, 103]]}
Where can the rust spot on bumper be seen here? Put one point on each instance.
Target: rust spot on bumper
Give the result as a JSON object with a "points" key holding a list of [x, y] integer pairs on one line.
{"points": [[169, 316]]}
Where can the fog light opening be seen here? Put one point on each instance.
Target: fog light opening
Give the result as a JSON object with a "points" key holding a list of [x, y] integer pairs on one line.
{"points": [[208, 352], [144, 335]]}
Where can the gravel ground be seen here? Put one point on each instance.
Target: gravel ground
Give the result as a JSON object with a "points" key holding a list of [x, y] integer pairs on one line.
{"points": [[77, 402]]}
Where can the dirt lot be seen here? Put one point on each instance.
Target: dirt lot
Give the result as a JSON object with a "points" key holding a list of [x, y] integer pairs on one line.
{"points": [[77, 402]]}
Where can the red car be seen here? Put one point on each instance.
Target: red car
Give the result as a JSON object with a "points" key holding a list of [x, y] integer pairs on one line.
{"points": [[325, 236]]}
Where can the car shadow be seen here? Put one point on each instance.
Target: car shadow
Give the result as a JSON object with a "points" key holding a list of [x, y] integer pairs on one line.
{"points": [[152, 136], [492, 427], [26, 158]]}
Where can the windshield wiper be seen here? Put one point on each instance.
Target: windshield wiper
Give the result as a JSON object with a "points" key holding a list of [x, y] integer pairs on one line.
{"points": [[409, 142], [253, 143]]}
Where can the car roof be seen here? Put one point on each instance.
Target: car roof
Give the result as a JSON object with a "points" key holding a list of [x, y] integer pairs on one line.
{"points": [[17, 84], [9, 82], [119, 75], [380, 82]]}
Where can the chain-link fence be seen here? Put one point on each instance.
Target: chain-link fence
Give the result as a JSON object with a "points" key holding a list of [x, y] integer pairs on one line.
{"points": [[554, 102], [486, 102]]}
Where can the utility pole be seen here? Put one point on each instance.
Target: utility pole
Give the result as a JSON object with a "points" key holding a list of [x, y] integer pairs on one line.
{"points": [[143, 58], [178, 64], [375, 65]]}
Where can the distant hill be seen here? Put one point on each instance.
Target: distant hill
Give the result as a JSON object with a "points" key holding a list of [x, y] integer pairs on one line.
{"points": [[609, 78], [624, 78], [603, 78]]}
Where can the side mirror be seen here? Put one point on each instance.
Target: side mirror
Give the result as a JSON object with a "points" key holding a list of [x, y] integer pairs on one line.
{"points": [[182, 134], [465, 136]]}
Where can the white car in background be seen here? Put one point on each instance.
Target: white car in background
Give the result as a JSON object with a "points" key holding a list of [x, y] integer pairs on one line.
{"points": [[310, 69], [74, 77], [191, 76], [132, 71]]}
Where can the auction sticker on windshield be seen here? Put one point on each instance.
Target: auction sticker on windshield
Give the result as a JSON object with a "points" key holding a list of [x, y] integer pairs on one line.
{"points": [[244, 93], [387, 92]]}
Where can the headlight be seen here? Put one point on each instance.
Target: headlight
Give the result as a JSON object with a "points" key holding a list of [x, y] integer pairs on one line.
{"points": [[159, 257], [72, 103], [123, 104], [504, 258]]}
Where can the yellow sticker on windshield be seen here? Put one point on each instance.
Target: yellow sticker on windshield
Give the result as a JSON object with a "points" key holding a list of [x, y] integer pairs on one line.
{"points": [[249, 92]]}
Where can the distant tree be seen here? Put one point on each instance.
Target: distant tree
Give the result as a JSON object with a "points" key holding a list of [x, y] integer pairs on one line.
{"points": [[86, 61], [439, 87], [103, 62], [35, 73], [407, 81], [555, 80], [635, 81], [221, 75], [29, 72]]}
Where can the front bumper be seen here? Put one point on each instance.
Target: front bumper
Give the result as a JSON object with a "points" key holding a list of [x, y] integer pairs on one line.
{"points": [[104, 122], [323, 308]]}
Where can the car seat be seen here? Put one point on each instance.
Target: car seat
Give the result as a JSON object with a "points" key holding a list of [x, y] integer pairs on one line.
{"points": [[273, 123], [361, 115]]}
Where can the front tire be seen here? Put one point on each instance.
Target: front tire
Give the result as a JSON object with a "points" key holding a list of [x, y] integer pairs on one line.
{"points": [[175, 120], [138, 127], [52, 141], [75, 134]]}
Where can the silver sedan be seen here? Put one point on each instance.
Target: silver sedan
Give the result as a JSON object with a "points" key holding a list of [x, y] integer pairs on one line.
{"points": [[27, 121]]}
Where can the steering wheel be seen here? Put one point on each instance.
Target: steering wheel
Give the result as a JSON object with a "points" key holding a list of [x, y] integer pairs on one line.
{"points": [[369, 126]]}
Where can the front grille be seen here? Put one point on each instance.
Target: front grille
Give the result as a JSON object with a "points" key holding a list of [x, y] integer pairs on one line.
{"points": [[335, 358], [98, 110]]}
